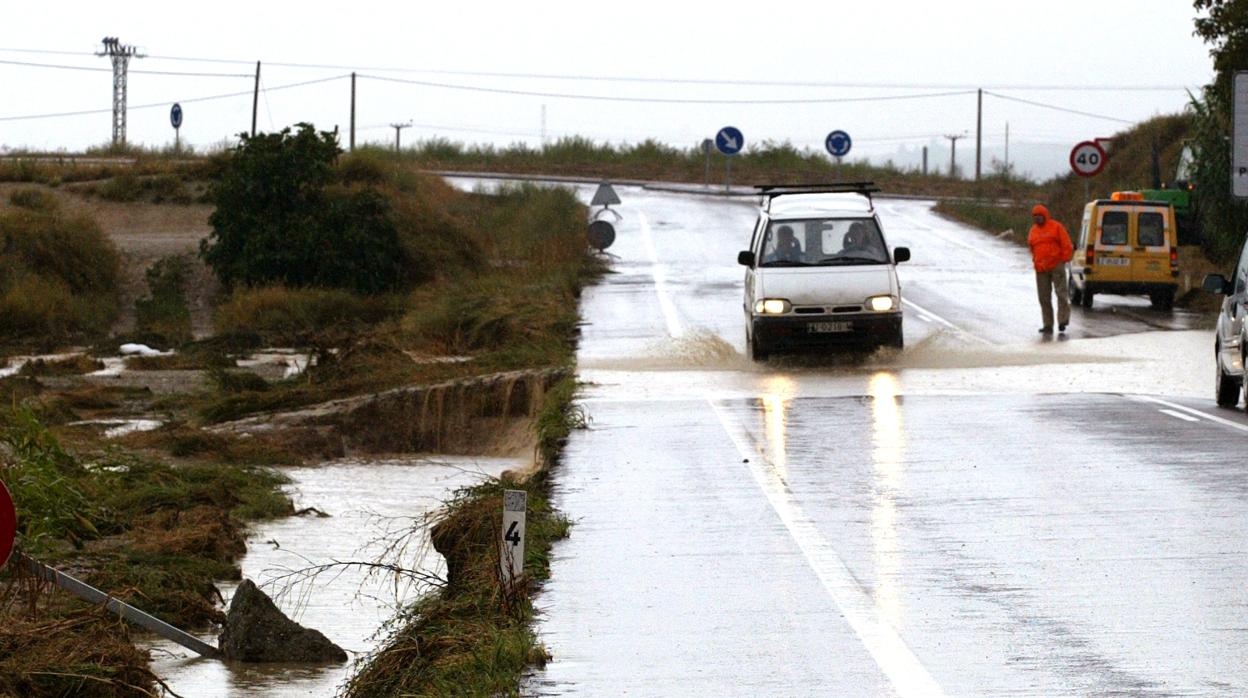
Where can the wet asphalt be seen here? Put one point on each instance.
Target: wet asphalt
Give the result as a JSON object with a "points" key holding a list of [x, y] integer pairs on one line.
{"points": [[983, 514]]}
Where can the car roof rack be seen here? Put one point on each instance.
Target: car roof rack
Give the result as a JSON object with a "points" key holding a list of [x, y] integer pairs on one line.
{"points": [[772, 191]]}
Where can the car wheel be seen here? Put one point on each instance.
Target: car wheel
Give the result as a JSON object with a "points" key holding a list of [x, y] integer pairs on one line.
{"points": [[758, 351], [1162, 300], [1227, 388], [1086, 300], [1076, 296], [898, 341]]}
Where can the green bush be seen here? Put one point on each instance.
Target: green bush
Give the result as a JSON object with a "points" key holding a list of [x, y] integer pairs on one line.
{"points": [[124, 188], [288, 213], [71, 249], [164, 311], [34, 200]]}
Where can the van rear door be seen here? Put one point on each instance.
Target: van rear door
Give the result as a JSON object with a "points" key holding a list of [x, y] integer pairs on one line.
{"points": [[1150, 253], [1113, 243]]}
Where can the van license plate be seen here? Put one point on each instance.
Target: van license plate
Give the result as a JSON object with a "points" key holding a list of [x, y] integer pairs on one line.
{"points": [[1114, 261], [825, 327]]}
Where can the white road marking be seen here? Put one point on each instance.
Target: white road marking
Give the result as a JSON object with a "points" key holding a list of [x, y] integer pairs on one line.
{"points": [[1188, 410], [1179, 415], [979, 250], [933, 317], [659, 273], [904, 670]]}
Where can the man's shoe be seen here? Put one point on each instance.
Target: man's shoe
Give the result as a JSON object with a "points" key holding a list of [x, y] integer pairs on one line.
{"points": [[1061, 328], [1046, 330]]}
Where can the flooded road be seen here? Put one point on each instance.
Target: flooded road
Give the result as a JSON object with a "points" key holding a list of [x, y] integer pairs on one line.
{"points": [[366, 502], [984, 513]]}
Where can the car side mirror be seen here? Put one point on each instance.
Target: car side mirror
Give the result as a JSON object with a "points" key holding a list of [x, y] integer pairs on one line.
{"points": [[1216, 283], [745, 258], [901, 254]]}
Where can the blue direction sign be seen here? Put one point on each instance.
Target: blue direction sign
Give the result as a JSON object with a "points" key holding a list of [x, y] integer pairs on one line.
{"points": [[175, 115], [838, 143], [729, 140]]}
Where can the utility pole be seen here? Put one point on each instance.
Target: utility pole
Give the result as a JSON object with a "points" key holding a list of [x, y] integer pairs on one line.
{"points": [[1007, 149], [255, 100], [352, 112], [953, 153], [924, 161], [397, 128], [979, 130], [120, 54], [543, 125]]}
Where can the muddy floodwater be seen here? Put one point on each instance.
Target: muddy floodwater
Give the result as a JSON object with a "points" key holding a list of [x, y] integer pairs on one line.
{"points": [[365, 501]]}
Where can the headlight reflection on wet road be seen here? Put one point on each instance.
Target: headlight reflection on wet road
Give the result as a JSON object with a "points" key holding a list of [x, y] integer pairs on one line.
{"points": [[777, 391]]}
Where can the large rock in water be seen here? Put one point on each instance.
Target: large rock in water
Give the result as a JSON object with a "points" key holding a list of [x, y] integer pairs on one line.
{"points": [[257, 631]]}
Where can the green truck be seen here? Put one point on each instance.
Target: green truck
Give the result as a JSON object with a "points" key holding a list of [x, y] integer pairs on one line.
{"points": [[1180, 193]]}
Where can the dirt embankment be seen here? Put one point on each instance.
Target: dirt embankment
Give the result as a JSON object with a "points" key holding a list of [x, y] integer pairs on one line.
{"points": [[145, 232]]}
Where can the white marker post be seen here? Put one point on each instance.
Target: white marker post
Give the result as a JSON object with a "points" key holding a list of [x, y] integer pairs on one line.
{"points": [[511, 559]]}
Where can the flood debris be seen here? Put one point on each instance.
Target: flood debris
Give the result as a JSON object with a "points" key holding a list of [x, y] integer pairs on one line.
{"points": [[256, 630]]}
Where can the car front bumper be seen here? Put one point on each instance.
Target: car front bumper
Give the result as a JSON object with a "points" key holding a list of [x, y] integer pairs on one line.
{"points": [[844, 330]]}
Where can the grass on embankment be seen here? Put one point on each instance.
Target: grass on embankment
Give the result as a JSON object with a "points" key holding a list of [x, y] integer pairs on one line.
{"points": [[144, 531], [514, 309], [472, 637]]}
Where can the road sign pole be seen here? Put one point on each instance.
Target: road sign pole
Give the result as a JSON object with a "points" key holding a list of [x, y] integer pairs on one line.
{"points": [[727, 173]]}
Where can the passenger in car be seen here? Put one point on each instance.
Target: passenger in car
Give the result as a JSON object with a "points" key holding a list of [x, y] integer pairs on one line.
{"points": [[787, 247]]}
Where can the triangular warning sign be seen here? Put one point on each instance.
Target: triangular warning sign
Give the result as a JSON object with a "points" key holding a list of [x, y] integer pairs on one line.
{"points": [[605, 196]]}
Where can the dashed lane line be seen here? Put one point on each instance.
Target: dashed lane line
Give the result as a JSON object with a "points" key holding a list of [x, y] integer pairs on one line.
{"points": [[1179, 415], [1190, 411], [928, 315]]}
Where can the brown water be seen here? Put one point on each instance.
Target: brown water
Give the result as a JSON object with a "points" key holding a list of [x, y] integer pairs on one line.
{"points": [[366, 501]]}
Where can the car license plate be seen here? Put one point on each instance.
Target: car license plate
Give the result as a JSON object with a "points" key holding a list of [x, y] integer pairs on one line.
{"points": [[1114, 261], [826, 327]]}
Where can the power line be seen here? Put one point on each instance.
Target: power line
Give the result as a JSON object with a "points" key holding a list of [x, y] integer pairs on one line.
{"points": [[655, 100], [109, 70], [1054, 107], [191, 100], [661, 80]]}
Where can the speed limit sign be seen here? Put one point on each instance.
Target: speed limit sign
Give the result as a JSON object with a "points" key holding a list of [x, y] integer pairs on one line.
{"points": [[1087, 159]]}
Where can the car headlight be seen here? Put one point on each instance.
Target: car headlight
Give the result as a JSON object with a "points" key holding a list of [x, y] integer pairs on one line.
{"points": [[772, 306], [881, 303]]}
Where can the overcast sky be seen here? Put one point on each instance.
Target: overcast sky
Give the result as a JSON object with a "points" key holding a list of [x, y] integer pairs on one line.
{"points": [[893, 48]]}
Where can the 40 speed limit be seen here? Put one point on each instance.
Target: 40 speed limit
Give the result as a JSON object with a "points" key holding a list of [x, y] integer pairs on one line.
{"points": [[1087, 159]]}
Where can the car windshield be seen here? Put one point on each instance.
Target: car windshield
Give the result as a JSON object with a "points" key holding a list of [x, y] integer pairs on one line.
{"points": [[823, 242]]}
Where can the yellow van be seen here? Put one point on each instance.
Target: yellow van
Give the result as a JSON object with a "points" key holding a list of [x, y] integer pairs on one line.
{"points": [[1127, 246]]}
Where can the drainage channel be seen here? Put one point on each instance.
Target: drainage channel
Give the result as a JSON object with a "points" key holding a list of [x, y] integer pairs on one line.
{"points": [[367, 502]]}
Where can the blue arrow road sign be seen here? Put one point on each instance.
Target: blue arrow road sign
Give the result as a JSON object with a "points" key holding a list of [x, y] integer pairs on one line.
{"points": [[175, 115], [839, 143], [729, 140]]}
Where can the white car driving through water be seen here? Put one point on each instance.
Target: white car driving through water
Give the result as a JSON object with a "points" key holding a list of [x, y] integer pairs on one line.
{"points": [[819, 272]]}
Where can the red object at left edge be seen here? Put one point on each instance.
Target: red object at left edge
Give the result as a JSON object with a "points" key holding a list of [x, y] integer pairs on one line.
{"points": [[8, 524]]}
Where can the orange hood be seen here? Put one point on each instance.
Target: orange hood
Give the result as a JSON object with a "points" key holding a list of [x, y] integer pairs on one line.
{"points": [[1040, 210]]}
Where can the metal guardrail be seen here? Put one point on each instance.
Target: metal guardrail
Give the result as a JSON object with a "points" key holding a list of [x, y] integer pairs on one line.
{"points": [[92, 595]]}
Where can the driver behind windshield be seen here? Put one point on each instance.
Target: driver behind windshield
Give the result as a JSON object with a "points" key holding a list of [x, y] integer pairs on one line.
{"points": [[859, 242]]}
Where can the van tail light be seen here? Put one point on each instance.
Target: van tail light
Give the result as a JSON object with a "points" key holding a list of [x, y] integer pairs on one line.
{"points": [[1091, 255], [1174, 259]]}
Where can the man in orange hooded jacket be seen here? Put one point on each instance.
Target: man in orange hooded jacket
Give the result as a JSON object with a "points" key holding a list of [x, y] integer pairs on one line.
{"points": [[1051, 249]]}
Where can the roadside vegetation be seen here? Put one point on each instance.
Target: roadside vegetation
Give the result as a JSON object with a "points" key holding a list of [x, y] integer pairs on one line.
{"points": [[151, 533], [474, 636], [378, 275]]}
